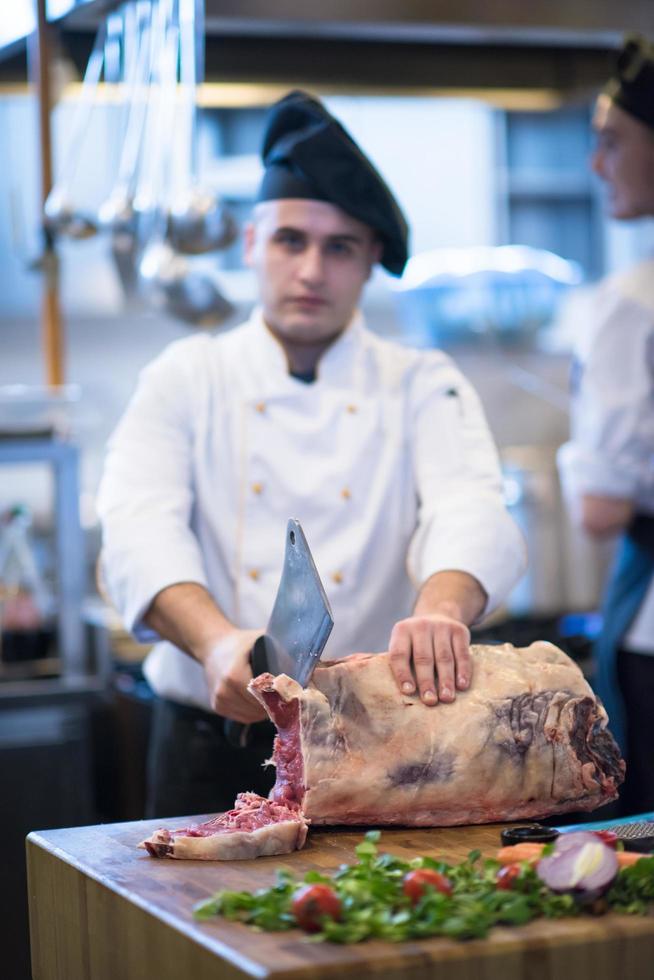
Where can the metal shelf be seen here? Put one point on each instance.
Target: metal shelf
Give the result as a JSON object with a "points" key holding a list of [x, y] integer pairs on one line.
{"points": [[63, 458]]}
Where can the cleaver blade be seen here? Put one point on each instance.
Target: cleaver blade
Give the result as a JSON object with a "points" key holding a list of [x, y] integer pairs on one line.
{"points": [[301, 618]]}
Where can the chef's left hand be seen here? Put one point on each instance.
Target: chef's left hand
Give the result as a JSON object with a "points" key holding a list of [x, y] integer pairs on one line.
{"points": [[437, 647]]}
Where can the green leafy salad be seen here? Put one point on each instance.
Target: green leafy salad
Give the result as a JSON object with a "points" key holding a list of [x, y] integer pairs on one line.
{"points": [[384, 897]]}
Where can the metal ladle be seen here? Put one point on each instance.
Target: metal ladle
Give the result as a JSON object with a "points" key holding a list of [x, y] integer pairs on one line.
{"points": [[165, 276], [60, 214], [188, 295], [198, 221], [117, 214]]}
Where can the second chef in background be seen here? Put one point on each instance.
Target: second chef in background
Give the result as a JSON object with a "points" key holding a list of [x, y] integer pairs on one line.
{"points": [[382, 452], [607, 468]]}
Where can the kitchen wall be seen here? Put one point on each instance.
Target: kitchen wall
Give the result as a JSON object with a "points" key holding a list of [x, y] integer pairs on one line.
{"points": [[439, 155]]}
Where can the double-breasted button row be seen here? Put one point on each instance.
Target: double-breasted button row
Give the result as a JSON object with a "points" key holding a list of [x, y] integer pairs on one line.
{"points": [[261, 408], [255, 575], [257, 488]]}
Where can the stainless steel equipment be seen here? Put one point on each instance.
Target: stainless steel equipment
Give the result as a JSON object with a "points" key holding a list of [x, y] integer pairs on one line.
{"points": [[63, 459]]}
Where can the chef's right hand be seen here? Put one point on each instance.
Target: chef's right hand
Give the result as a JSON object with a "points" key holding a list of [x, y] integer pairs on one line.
{"points": [[228, 672]]}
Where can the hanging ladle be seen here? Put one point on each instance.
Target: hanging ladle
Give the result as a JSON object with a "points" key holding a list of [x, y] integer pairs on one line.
{"points": [[165, 276], [173, 287], [60, 215], [117, 214], [198, 221]]}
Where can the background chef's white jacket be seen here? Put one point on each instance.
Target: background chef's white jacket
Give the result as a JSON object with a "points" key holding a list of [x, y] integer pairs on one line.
{"points": [[386, 459], [611, 451]]}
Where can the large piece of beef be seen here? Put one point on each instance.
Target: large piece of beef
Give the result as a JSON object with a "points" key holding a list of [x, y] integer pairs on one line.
{"points": [[528, 739], [254, 828]]}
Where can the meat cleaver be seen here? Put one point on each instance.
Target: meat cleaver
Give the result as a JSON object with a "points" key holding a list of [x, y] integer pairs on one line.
{"points": [[299, 625]]}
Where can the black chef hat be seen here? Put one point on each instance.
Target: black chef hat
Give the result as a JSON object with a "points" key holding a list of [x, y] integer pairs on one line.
{"points": [[632, 85], [308, 154]]}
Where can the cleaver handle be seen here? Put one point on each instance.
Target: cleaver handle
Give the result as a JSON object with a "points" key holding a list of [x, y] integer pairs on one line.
{"points": [[236, 733]]}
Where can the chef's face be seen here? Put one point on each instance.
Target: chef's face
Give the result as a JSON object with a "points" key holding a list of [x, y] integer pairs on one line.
{"points": [[312, 261], [624, 158]]}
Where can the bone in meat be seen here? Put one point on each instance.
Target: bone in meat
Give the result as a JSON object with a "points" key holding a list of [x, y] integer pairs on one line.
{"points": [[254, 828]]}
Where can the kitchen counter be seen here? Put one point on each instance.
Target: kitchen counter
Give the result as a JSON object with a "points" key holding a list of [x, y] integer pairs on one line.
{"points": [[101, 909]]}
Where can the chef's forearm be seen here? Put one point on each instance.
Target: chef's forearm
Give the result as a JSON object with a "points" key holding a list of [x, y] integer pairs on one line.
{"points": [[186, 615], [603, 516], [452, 593]]}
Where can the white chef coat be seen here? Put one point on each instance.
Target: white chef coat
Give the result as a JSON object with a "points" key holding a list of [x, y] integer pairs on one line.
{"points": [[611, 451], [386, 460]]}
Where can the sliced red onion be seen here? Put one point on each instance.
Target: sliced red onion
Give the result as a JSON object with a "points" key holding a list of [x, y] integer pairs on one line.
{"points": [[574, 838], [580, 863]]}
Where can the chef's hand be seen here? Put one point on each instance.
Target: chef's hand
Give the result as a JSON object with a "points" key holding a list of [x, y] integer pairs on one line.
{"points": [[228, 672], [437, 647]]}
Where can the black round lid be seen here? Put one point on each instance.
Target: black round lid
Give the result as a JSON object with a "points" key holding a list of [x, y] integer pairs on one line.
{"points": [[532, 833]]}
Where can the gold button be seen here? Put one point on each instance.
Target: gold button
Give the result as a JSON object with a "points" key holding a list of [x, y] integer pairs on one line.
{"points": [[352, 409], [257, 488], [254, 574], [345, 493], [337, 577], [260, 407]]}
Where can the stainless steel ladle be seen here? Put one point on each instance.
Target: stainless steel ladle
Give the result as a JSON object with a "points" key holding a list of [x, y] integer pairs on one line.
{"points": [[173, 287], [166, 277], [117, 214], [198, 221], [61, 216]]}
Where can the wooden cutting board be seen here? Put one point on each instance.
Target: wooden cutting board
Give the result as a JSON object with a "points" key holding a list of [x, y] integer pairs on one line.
{"points": [[100, 909]]}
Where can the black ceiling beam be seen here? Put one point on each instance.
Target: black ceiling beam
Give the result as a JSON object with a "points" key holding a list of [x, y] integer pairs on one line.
{"points": [[403, 66], [382, 65]]}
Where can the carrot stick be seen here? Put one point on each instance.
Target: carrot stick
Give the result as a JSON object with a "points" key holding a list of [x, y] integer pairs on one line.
{"points": [[527, 851], [627, 858], [531, 851]]}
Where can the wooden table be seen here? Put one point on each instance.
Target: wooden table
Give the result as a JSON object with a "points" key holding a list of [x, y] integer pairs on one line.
{"points": [[102, 910]]}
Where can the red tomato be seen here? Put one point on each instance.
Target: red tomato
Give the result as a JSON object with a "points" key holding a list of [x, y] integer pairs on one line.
{"points": [[607, 836], [507, 875], [416, 883], [312, 903]]}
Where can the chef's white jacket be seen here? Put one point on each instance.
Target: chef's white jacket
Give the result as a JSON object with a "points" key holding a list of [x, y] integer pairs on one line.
{"points": [[611, 451], [386, 460]]}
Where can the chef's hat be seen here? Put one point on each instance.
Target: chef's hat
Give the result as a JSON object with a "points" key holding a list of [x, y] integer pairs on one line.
{"points": [[632, 85], [307, 153]]}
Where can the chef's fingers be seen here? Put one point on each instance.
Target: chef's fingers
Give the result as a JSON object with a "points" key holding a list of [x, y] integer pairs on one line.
{"points": [[233, 700], [444, 656], [461, 647], [399, 651], [237, 710], [422, 649]]}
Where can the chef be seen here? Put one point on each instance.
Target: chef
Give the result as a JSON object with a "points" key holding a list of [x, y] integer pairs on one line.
{"points": [[381, 452], [607, 468]]}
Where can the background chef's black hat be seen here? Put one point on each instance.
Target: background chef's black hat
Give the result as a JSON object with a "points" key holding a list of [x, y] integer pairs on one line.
{"points": [[308, 154], [632, 85]]}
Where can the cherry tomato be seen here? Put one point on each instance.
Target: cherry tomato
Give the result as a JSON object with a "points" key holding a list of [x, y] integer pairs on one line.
{"points": [[312, 903], [416, 883], [607, 836], [506, 876]]}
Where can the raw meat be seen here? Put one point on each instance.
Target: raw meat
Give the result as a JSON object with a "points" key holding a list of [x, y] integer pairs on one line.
{"points": [[254, 828], [528, 739]]}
